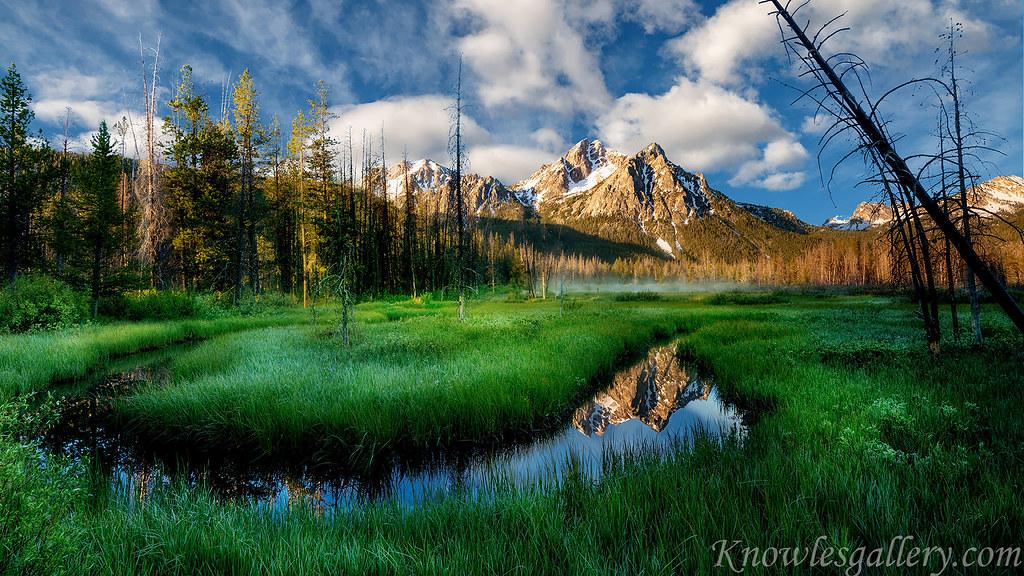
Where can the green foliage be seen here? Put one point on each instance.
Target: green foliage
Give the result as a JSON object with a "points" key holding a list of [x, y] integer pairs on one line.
{"points": [[413, 378], [638, 296], [103, 223], [33, 361], [37, 302], [200, 189], [929, 449], [155, 305], [26, 169], [746, 298], [826, 461], [863, 354], [38, 531]]}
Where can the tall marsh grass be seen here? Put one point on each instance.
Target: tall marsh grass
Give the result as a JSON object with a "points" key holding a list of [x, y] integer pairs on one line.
{"points": [[423, 382]]}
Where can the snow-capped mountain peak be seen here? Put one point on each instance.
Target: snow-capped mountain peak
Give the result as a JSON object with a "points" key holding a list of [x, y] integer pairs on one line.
{"points": [[584, 166]]}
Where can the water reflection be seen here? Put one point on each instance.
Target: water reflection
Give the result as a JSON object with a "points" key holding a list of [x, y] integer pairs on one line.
{"points": [[651, 407]]}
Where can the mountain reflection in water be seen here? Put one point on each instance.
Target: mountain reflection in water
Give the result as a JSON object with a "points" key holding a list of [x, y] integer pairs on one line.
{"points": [[652, 407]]}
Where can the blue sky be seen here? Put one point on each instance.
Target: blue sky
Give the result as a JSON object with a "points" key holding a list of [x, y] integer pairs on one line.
{"points": [[707, 80]]}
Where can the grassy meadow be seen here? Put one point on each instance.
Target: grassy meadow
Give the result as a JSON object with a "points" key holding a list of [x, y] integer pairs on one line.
{"points": [[857, 434]]}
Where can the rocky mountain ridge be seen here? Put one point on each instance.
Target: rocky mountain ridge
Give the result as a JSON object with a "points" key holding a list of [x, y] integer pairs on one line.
{"points": [[641, 199], [1001, 195]]}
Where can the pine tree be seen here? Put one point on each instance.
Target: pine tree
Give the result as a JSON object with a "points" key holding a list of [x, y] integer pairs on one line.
{"points": [[198, 190], [249, 136], [17, 196], [101, 214], [298, 150]]}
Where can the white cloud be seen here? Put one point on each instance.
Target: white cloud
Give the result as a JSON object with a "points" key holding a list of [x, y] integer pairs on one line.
{"points": [[548, 139], [739, 30], [418, 124], [706, 127], [782, 181], [526, 54], [741, 34], [508, 163], [767, 172], [668, 16], [700, 125], [268, 30]]}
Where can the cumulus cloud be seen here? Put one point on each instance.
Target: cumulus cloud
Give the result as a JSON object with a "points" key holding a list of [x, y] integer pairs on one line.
{"points": [[508, 163], [417, 124], [741, 34], [768, 171], [548, 139], [699, 124], [527, 54], [739, 30]]}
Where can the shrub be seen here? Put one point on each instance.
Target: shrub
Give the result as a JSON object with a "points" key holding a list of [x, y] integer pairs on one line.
{"points": [[862, 354], [640, 296], [152, 305], [746, 298], [36, 302]]}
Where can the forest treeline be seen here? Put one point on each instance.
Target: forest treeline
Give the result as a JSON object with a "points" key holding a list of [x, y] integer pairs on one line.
{"points": [[209, 200], [224, 203]]}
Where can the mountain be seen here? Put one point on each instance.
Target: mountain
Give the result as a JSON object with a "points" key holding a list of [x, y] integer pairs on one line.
{"points": [[430, 181], [777, 217], [643, 200], [865, 215], [650, 392], [584, 166], [646, 199], [1001, 195]]}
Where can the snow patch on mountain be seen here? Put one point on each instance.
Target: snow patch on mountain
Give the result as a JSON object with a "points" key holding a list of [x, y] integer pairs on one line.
{"points": [[666, 247], [591, 180]]}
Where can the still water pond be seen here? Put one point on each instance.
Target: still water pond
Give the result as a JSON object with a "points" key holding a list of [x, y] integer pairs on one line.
{"points": [[652, 407]]}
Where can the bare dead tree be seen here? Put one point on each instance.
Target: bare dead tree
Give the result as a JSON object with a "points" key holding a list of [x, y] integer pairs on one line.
{"points": [[860, 116], [409, 236], [948, 248], [153, 232], [961, 179], [456, 196], [62, 231]]}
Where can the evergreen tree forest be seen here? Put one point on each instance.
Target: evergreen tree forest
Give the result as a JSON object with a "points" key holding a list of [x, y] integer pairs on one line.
{"points": [[239, 210]]}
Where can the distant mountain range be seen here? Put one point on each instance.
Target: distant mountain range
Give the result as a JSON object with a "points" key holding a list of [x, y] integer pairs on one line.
{"points": [[647, 201], [1000, 195]]}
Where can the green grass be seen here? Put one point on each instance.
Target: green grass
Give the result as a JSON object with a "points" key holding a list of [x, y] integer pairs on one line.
{"points": [[30, 362], [415, 382], [868, 438]]}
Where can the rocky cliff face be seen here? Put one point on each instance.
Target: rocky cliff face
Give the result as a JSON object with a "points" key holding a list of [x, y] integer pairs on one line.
{"points": [[865, 215], [1001, 195], [431, 185], [643, 199], [581, 168]]}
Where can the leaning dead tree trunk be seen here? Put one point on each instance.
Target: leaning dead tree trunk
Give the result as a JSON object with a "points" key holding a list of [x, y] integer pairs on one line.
{"points": [[875, 140]]}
